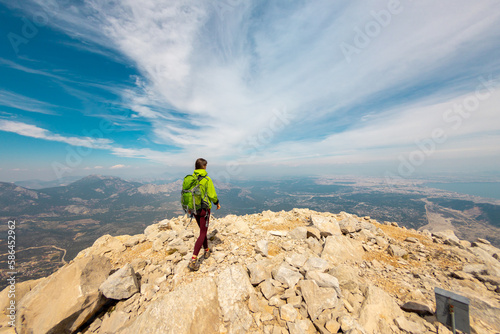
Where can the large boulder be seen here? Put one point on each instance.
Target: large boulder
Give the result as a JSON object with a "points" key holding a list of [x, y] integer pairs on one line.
{"points": [[120, 285], [189, 309], [259, 271], [325, 225], [448, 237], [339, 249], [66, 299], [6, 297], [492, 264], [317, 299], [378, 310], [349, 225], [105, 245], [234, 288]]}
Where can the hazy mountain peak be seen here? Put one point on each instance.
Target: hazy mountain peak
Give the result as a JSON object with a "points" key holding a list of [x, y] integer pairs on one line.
{"points": [[94, 177]]}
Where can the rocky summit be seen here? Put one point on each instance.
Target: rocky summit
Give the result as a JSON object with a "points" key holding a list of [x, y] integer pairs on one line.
{"points": [[274, 272]]}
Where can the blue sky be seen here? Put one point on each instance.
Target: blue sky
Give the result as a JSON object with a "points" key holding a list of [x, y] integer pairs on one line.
{"points": [[139, 88]]}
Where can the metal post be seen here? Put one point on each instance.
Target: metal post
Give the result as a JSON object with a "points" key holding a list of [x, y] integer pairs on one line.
{"points": [[452, 312]]}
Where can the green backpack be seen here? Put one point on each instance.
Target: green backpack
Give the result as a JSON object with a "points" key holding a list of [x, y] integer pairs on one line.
{"points": [[191, 194]]}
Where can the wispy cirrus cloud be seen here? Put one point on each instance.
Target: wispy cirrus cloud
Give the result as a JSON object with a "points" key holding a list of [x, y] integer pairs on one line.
{"points": [[34, 131], [13, 100]]}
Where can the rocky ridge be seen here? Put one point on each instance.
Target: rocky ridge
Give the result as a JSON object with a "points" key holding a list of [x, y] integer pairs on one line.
{"points": [[274, 272]]}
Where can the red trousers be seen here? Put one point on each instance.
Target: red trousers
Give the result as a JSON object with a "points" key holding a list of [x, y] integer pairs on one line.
{"points": [[202, 218]]}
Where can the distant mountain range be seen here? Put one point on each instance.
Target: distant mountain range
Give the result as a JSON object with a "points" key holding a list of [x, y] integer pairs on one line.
{"points": [[94, 192], [40, 184]]}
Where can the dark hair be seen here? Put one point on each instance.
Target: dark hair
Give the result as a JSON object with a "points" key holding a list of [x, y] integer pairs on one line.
{"points": [[200, 164]]}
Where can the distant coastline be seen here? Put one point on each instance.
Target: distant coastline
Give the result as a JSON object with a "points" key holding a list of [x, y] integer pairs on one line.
{"points": [[482, 189]]}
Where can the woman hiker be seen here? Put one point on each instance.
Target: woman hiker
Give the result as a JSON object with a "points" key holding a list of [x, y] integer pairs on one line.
{"points": [[202, 215]]}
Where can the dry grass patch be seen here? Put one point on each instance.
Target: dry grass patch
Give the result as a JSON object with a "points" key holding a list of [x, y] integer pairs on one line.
{"points": [[273, 249], [401, 234], [287, 225]]}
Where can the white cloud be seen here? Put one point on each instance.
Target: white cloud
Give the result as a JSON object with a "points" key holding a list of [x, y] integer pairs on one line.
{"points": [[34, 131], [118, 167]]}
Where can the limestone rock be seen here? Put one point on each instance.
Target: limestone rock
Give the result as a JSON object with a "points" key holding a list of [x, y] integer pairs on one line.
{"points": [[317, 299], [296, 260], [348, 225], [259, 271], [276, 301], [475, 269], [316, 264], [483, 241], [298, 233], [409, 326], [301, 327], [339, 249], [120, 285], [151, 231], [448, 237], [381, 241], [377, 304], [492, 264], [332, 326], [113, 322], [234, 288], [324, 280], [346, 275], [134, 240], [195, 307], [396, 251], [412, 240], [314, 245], [138, 264], [105, 245], [288, 313], [325, 225], [417, 308], [73, 295], [262, 247], [253, 304], [21, 289], [268, 289], [278, 233], [287, 276]]}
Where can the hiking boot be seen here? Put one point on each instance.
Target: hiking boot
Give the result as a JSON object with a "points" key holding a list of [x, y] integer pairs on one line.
{"points": [[207, 253], [193, 265]]}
